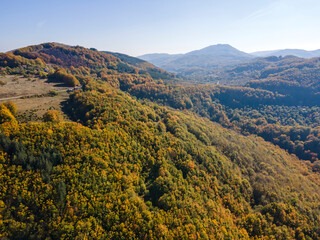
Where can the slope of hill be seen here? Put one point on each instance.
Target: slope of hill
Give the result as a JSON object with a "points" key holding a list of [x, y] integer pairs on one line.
{"points": [[160, 59], [276, 117], [281, 74], [288, 68], [76, 57], [132, 169], [155, 72], [141, 171]]}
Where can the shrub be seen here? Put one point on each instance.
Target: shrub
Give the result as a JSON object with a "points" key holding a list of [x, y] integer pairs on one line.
{"points": [[53, 93], [11, 106], [2, 82], [6, 115], [52, 116]]}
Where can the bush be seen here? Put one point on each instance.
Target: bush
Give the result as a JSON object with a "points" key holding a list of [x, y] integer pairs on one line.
{"points": [[53, 93], [6, 115], [2, 82], [52, 116], [11, 106]]}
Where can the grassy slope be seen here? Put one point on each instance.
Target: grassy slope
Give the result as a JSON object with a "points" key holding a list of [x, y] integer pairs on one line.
{"points": [[32, 95]]}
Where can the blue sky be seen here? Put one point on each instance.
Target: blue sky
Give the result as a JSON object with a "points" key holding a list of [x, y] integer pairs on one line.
{"points": [[137, 27]]}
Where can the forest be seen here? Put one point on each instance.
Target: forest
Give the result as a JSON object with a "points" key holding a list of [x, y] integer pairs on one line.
{"points": [[142, 156]]}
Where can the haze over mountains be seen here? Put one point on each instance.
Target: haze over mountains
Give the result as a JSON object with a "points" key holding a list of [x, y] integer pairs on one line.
{"points": [[207, 64], [212, 56], [284, 52], [220, 54]]}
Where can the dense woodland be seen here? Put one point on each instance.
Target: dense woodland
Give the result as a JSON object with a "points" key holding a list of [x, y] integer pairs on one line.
{"points": [[144, 158]]}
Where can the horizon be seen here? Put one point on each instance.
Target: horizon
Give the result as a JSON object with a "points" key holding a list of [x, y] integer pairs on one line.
{"points": [[167, 52], [233, 47], [144, 27]]}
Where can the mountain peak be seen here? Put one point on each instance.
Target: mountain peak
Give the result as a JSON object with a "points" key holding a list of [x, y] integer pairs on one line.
{"points": [[211, 56], [221, 45], [219, 50]]}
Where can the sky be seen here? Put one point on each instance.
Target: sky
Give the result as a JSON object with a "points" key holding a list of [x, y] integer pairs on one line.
{"points": [[137, 27]]}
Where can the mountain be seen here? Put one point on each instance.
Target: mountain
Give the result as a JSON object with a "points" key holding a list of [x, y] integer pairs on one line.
{"points": [[210, 57], [220, 50], [284, 52], [214, 63], [130, 156]]}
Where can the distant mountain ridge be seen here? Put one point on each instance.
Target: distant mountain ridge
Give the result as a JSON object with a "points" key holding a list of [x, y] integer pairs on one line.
{"points": [[221, 54], [205, 58], [207, 63], [285, 52]]}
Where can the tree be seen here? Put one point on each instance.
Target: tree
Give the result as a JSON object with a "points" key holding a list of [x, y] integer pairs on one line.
{"points": [[52, 116], [61, 75], [11, 106], [6, 115]]}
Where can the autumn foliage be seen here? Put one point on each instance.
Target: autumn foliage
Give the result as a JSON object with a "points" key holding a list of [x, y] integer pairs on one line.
{"points": [[52, 116], [61, 75], [142, 158]]}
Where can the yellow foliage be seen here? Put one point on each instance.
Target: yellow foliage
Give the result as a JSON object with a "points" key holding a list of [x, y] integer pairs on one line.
{"points": [[11, 106], [52, 116], [6, 115]]}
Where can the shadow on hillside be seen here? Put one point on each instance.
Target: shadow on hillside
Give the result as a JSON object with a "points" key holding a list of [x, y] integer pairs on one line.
{"points": [[67, 109], [57, 84]]}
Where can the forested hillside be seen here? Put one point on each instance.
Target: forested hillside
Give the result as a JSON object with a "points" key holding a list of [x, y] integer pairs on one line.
{"points": [[141, 158], [288, 71], [270, 115]]}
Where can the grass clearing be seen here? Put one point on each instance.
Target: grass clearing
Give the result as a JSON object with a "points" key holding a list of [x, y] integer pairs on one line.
{"points": [[32, 98], [20, 86], [32, 109]]}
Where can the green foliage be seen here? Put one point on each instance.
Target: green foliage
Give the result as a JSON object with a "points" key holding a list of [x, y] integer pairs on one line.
{"points": [[114, 107], [142, 171], [247, 110]]}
